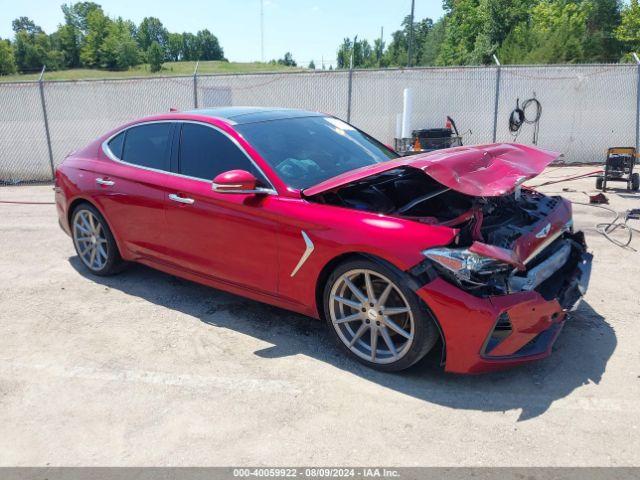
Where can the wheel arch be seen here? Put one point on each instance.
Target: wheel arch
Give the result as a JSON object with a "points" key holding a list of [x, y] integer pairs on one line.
{"points": [[329, 267], [332, 264], [79, 201]]}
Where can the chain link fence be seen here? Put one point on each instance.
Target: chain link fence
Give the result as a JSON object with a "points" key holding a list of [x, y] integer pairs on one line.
{"points": [[585, 109]]}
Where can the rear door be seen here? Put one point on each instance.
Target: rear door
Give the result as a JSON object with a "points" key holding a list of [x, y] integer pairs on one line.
{"points": [[131, 187], [231, 237]]}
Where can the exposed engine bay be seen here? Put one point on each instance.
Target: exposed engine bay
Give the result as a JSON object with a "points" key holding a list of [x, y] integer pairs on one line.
{"points": [[482, 224], [409, 193]]}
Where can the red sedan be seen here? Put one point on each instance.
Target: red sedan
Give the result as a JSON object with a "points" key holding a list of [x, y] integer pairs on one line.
{"points": [[303, 211]]}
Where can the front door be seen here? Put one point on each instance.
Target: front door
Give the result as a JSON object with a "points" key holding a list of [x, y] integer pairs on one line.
{"points": [[228, 236]]}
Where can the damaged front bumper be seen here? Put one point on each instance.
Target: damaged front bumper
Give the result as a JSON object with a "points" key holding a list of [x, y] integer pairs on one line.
{"points": [[485, 333]]}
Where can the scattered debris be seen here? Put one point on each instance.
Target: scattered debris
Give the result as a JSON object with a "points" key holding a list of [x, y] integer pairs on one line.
{"points": [[598, 198]]}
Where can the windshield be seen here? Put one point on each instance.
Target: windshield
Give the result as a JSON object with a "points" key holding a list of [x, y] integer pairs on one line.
{"points": [[308, 150]]}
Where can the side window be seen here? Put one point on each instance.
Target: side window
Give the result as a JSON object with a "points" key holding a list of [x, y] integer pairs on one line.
{"points": [[148, 145], [205, 153], [116, 143]]}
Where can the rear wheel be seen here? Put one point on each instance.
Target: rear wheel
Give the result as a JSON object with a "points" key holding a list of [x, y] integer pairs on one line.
{"points": [[635, 181], [376, 317], [94, 242]]}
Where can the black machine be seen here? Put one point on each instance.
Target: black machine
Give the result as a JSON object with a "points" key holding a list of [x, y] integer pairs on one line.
{"points": [[619, 168], [430, 139]]}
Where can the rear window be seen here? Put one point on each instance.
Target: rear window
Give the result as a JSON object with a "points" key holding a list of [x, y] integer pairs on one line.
{"points": [[147, 145], [116, 144]]}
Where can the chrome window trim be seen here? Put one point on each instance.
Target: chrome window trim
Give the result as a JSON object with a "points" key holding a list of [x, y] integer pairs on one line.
{"points": [[306, 254], [107, 151]]}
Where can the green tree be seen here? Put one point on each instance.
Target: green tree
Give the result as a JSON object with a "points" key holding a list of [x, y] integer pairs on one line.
{"points": [[119, 50], [312, 65], [432, 44], [155, 56], [288, 60], [25, 24], [98, 27], [151, 30], [344, 54], [366, 53], [378, 50], [189, 47], [70, 36], [33, 48], [464, 24], [175, 46], [628, 32], [555, 33], [7, 58], [601, 43], [77, 15], [208, 47], [67, 40], [364, 56], [497, 18], [397, 53]]}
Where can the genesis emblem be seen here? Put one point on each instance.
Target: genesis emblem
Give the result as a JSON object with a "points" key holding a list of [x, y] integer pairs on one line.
{"points": [[544, 232]]}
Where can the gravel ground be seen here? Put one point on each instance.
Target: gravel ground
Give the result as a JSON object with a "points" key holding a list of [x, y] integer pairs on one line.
{"points": [[147, 369]]}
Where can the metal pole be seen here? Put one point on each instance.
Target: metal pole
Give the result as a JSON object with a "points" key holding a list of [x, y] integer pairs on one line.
{"points": [[381, 49], [495, 106], [410, 49], [353, 47], [195, 85], [46, 121], [262, 31], [635, 56]]}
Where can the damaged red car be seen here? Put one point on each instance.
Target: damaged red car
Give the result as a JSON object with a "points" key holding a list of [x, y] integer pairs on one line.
{"points": [[304, 211]]}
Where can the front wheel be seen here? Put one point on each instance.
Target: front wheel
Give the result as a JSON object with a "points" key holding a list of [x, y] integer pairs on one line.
{"points": [[635, 182], [94, 242], [376, 317]]}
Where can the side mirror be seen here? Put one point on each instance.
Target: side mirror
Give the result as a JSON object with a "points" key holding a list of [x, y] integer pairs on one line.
{"points": [[237, 181]]}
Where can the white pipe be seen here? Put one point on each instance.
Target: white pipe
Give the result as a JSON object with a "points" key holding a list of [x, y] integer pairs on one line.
{"points": [[407, 111], [398, 125]]}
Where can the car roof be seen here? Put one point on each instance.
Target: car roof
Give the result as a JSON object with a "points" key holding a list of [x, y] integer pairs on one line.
{"points": [[243, 115]]}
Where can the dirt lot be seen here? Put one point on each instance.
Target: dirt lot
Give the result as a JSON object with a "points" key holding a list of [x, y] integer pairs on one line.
{"points": [[147, 369]]}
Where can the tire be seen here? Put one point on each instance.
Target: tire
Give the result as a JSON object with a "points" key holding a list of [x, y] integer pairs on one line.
{"points": [[635, 182], [350, 314], [94, 242], [599, 183]]}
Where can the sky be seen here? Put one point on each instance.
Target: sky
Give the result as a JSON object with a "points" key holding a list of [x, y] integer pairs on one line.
{"points": [[309, 29]]}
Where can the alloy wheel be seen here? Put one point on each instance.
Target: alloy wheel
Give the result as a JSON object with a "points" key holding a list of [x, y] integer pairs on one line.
{"points": [[371, 316], [90, 239]]}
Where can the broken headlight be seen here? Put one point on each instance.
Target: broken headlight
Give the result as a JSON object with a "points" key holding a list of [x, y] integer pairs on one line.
{"points": [[466, 265]]}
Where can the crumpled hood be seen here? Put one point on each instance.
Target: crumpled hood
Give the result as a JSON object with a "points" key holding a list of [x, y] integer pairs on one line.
{"points": [[479, 170]]}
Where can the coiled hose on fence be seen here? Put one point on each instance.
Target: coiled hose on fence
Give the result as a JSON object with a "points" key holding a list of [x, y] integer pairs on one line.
{"points": [[519, 117]]}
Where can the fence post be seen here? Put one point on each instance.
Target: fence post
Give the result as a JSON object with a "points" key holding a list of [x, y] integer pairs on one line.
{"points": [[635, 56], [195, 85], [495, 106], [46, 121], [349, 96], [355, 39]]}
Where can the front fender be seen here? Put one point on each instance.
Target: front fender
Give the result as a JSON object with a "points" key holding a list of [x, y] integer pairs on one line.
{"points": [[334, 232]]}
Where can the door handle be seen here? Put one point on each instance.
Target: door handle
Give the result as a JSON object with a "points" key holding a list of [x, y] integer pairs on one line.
{"points": [[179, 199], [106, 183]]}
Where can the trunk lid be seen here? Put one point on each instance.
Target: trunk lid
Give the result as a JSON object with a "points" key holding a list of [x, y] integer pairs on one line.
{"points": [[480, 170]]}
